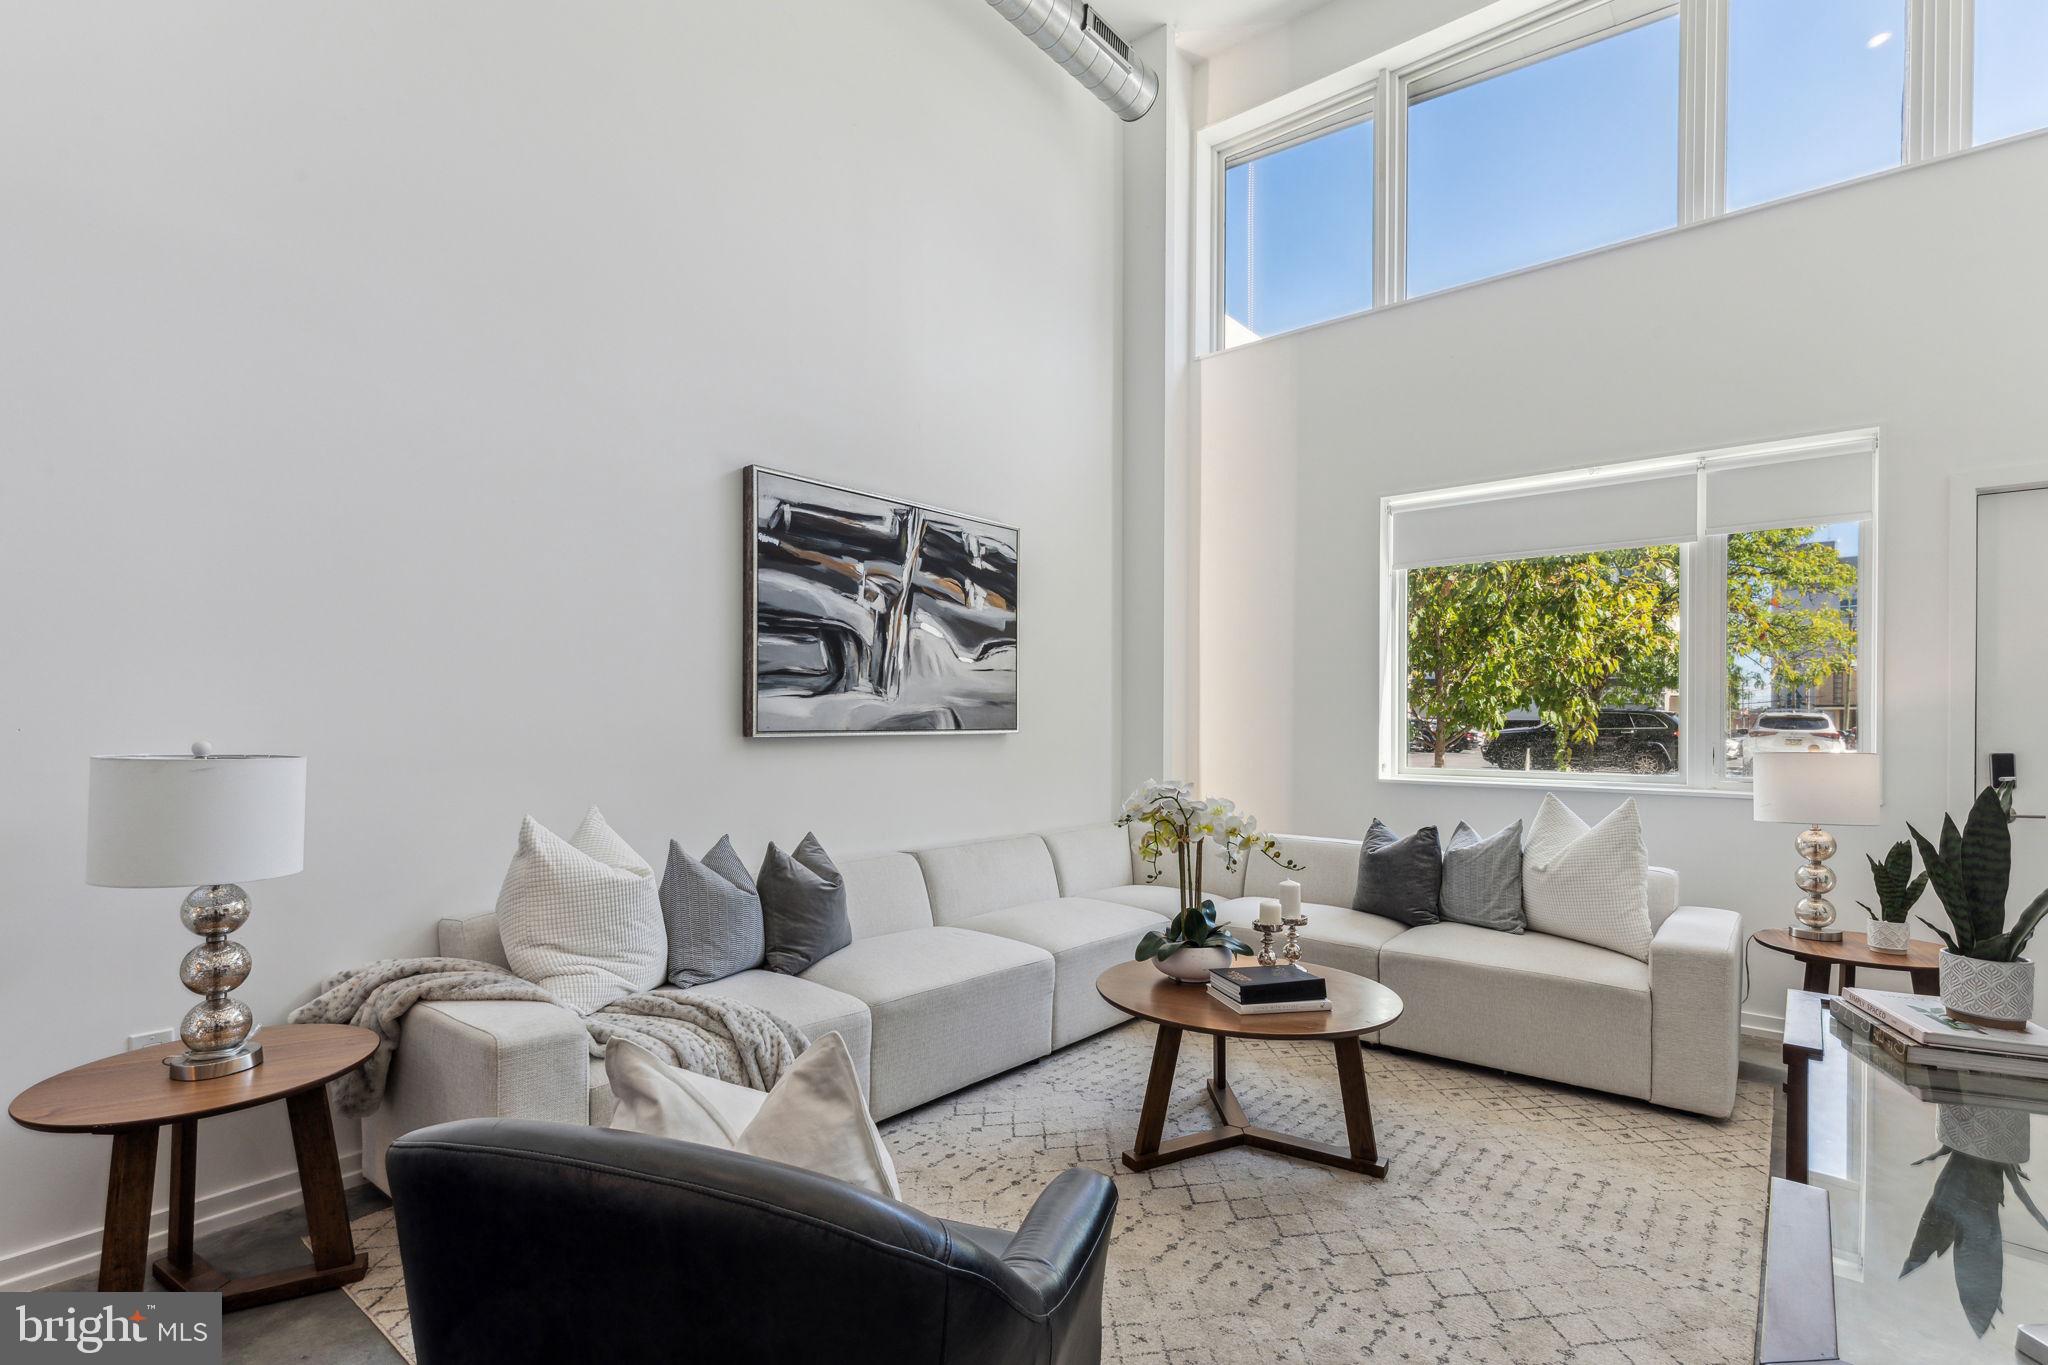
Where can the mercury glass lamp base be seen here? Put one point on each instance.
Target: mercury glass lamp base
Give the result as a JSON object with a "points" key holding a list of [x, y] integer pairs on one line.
{"points": [[1817, 935], [196, 1067]]}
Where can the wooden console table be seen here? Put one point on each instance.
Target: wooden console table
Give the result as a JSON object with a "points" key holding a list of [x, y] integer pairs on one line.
{"points": [[131, 1096]]}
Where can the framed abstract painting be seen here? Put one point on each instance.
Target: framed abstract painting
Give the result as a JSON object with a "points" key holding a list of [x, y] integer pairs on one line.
{"points": [[868, 615]]}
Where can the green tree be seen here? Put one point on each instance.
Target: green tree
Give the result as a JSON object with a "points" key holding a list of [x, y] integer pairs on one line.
{"points": [[1569, 634]]}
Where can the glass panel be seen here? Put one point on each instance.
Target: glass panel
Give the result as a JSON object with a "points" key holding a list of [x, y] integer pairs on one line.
{"points": [[1557, 157], [1546, 665], [1816, 94], [1297, 235], [2011, 68], [1792, 646]]}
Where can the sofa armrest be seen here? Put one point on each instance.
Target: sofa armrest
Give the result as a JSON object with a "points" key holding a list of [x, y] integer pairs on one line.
{"points": [[1695, 1010], [464, 1059]]}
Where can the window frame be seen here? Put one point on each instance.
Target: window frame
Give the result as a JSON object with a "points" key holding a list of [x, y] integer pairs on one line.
{"points": [[1702, 638], [1939, 100]]}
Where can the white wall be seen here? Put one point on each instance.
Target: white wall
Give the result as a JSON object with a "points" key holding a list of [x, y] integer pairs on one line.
{"points": [[377, 382], [1912, 302]]}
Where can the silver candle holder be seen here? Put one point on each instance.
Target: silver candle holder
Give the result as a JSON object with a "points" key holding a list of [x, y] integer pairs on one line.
{"points": [[1292, 951]]}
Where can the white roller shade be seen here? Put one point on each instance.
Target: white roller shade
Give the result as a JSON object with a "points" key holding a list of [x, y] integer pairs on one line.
{"points": [[1660, 508], [1806, 488]]}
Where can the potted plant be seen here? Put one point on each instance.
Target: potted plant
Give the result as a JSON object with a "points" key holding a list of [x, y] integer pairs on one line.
{"points": [[1984, 980], [1178, 824], [1896, 895], [1983, 1151]]}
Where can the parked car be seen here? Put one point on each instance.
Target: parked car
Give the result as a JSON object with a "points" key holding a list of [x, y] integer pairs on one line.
{"points": [[1630, 741], [1422, 738], [1791, 732]]}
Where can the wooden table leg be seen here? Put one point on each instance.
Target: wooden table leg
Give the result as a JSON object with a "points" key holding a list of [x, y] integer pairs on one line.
{"points": [[1816, 977], [1158, 1089], [1357, 1107], [1926, 980], [320, 1179], [131, 1183], [184, 1192], [1848, 975], [1795, 1117]]}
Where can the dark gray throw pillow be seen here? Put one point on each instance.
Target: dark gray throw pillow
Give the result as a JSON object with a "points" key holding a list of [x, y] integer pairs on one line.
{"points": [[1400, 878], [1483, 879], [803, 907], [713, 914]]}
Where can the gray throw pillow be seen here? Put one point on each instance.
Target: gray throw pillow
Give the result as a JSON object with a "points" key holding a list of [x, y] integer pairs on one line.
{"points": [[1483, 879], [713, 915], [803, 907], [1400, 879]]}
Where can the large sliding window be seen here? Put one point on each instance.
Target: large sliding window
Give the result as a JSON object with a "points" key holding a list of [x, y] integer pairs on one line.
{"points": [[1297, 234], [1661, 622], [1558, 156], [1816, 94], [2011, 61]]}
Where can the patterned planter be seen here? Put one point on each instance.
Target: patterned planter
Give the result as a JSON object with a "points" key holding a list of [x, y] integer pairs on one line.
{"points": [[1886, 937], [1994, 994], [1996, 1135], [1192, 966]]}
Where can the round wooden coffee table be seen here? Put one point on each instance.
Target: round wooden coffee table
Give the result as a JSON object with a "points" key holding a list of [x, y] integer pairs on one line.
{"points": [[1357, 1006], [1922, 962], [131, 1096]]}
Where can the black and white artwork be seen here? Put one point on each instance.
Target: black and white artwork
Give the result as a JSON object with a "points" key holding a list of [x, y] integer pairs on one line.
{"points": [[867, 615]]}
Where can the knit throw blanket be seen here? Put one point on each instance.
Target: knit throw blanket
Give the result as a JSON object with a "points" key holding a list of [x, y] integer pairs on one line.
{"points": [[722, 1038]]}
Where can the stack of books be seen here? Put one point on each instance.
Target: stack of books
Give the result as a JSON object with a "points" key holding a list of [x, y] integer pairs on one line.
{"points": [[1919, 1032], [1287, 989]]}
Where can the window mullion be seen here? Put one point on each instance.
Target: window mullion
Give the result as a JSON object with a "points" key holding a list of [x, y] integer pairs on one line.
{"points": [[1703, 638], [1390, 190], [1702, 109], [1938, 78]]}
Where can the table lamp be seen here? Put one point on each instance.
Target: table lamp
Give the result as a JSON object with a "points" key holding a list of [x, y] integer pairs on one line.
{"points": [[1806, 788], [206, 821]]}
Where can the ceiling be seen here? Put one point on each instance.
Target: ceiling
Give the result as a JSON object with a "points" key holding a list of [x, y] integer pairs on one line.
{"points": [[1205, 27]]}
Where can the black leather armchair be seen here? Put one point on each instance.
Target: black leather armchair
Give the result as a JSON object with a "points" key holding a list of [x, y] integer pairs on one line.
{"points": [[551, 1243]]}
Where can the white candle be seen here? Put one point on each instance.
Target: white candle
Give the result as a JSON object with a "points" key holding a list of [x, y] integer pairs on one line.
{"points": [[1269, 914], [1290, 899]]}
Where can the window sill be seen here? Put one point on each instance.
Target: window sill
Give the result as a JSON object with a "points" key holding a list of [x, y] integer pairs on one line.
{"points": [[1562, 782]]}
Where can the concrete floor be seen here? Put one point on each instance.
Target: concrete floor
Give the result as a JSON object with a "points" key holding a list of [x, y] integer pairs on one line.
{"points": [[329, 1329]]}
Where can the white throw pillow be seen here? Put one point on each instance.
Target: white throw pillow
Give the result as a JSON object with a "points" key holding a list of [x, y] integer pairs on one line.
{"points": [[581, 918], [815, 1117], [1590, 883]]}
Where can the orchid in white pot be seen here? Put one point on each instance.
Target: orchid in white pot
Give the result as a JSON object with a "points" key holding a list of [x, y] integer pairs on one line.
{"points": [[1178, 824]]}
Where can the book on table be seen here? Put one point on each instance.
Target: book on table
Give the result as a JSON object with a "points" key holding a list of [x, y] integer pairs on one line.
{"points": [[1271, 1006], [1941, 1066], [1922, 1019], [1268, 985]]}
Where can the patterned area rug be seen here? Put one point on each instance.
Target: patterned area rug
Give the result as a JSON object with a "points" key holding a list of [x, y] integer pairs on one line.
{"points": [[1520, 1223]]}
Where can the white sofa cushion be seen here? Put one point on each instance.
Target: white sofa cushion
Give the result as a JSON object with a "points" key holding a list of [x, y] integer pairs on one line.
{"points": [[1088, 858], [1086, 938], [948, 1007], [972, 879], [1328, 875], [814, 1118], [1589, 882], [805, 1004], [1163, 901], [474, 937], [885, 894], [581, 917], [1532, 1003], [1336, 936]]}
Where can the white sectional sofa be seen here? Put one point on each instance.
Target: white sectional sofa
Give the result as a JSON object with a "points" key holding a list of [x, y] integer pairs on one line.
{"points": [[973, 958]]}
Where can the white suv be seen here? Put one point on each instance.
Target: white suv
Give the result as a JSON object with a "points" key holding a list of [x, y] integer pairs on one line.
{"points": [[1791, 732]]}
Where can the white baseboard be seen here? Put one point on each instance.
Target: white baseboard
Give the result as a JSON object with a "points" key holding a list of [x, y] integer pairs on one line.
{"points": [[1768, 1028], [77, 1255]]}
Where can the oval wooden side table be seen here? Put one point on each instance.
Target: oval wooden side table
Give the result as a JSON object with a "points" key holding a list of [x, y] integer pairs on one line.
{"points": [[1922, 962], [132, 1095]]}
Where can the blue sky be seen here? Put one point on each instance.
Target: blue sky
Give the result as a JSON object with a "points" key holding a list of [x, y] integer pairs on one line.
{"points": [[1581, 150]]}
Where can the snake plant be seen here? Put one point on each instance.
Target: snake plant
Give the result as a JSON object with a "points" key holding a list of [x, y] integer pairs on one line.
{"points": [[1897, 889], [1970, 871]]}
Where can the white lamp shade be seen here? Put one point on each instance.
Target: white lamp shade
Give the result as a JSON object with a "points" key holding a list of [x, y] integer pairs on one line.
{"points": [[1819, 789], [176, 820]]}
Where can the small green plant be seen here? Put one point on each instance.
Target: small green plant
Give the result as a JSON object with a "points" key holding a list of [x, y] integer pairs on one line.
{"points": [[1971, 872], [1194, 927], [1897, 889]]}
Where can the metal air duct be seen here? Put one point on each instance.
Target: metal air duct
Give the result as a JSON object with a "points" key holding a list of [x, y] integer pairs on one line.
{"points": [[1075, 36]]}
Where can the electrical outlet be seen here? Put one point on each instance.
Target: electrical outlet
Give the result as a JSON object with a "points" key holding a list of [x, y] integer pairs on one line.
{"points": [[151, 1038]]}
